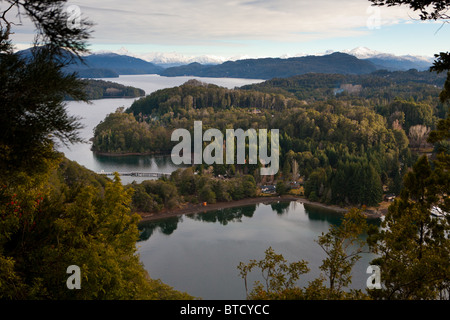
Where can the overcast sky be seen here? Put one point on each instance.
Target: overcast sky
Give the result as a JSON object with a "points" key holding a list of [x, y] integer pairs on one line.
{"points": [[254, 28]]}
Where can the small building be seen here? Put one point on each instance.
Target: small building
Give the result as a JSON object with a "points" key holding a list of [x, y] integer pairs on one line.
{"points": [[389, 197], [268, 189]]}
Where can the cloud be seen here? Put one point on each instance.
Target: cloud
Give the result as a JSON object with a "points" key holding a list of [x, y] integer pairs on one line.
{"points": [[201, 21], [227, 23]]}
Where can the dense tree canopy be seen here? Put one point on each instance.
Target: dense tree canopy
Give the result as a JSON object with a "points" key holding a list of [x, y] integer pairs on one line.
{"points": [[185, 186], [346, 144], [54, 213], [100, 89], [342, 247]]}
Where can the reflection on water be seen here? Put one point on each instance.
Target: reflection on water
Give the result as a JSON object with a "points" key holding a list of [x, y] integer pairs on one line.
{"points": [[226, 215], [199, 253], [166, 226], [280, 207], [135, 161], [319, 213], [222, 216]]}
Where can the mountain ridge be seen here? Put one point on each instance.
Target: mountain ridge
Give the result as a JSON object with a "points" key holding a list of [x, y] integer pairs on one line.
{"points": [[391, 62], [266, 68], [359, 60]]}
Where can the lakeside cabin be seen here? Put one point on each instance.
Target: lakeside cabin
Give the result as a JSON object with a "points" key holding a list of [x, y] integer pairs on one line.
{"points": [[271, 189]]}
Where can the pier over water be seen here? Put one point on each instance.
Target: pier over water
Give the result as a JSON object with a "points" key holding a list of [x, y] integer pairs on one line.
{"points": [[137, 174]]}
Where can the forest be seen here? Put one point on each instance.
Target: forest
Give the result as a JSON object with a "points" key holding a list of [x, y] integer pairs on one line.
{"points": [[184, 186], [349, 138], [100, 89], [348, 141], [55, 213]]}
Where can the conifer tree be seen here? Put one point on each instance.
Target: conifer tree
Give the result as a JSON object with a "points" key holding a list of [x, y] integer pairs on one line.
{"points": [[53, 213]]}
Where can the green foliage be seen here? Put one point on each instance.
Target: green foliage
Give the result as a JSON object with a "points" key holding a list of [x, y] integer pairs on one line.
{"points": [[100, 89], [413, 246], [278, 275], [53, 212], [185, 99], [281, 188], [380, 86], [429, 10], [76, 218], [342, 246], [121, 133], [346, 147], [268, 68], [185, 186], [32, 123], [145, 202], [409, 113]]}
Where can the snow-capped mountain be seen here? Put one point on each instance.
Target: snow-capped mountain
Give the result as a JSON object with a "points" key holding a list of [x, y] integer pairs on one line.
{"points": [[390, 61], [364, 52], [169, 59], [175, 59], [381, 60]]}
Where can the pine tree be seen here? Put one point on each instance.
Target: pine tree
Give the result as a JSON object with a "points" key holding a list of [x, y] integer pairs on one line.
{"points": [[49, 221], [413, 246]]}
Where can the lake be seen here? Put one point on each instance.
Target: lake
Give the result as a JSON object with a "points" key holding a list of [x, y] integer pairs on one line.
{"points": [[199, 253], [92, 114]]}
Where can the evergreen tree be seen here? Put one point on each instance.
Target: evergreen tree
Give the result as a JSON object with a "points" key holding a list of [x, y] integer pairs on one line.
{"points": [[32, 113], [413, 246], [54, 214], [342, 246]]}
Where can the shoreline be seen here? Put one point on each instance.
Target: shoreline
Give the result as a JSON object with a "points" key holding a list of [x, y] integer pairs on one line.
{"points": [[107, 154], [190, 208]]}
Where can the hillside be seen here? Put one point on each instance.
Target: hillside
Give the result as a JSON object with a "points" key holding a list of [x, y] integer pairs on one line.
{"points": [[391, 62], [122, 64], [104, 65], [268, 68], [381, 83], [100, 89], [112, 65], [334, 129]]}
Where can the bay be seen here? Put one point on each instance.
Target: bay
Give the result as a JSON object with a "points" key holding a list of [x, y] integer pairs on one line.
{"points": [[91, 114], [199, 253]]}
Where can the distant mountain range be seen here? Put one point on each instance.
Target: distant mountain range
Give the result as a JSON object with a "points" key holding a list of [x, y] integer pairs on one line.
{"points": [[113, 65], [381, 60], [391, 62], [357, 61], [105, 65], [268, 68]]}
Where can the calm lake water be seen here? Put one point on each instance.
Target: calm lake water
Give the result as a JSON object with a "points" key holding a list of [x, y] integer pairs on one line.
{"points": [[199, 253]]}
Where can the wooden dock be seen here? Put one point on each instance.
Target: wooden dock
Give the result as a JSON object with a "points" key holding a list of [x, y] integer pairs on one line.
{"points": [[137, 174]]}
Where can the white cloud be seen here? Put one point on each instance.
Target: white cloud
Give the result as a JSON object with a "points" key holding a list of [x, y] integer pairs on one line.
{"points": [[237, 23], [202, 21]]}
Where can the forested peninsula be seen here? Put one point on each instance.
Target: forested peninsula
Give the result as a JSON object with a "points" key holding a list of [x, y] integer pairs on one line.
{"points": [[348, 139], [101, 89]]}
